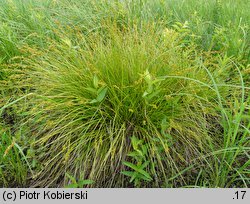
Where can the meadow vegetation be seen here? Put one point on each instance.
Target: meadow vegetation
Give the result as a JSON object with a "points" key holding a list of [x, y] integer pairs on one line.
{"points": [[124, 93]]}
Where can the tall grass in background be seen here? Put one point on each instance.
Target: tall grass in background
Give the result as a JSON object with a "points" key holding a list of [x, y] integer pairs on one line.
{"points": [[125, 93], [218, 24]]}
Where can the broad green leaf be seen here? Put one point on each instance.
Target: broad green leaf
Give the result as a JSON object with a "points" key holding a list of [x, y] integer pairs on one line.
{"points": [[95, 81], [135, 142], [145, 94], [94, 101], [73, 185], [133, 154], [150, 88], [145, 164], [91, 90], [128, 173], [146, 174], [140, 152], [137, 168], [141, 176], [135, 176], [132, 166], [82, 183], [101, 94]]}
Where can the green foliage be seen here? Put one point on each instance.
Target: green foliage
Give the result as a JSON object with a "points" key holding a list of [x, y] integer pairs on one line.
{"points": [[149, 93], [140, 157], [78, 184]]}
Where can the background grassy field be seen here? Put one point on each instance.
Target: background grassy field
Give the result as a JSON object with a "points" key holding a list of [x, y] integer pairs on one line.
{"points": [[124, 93]]}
